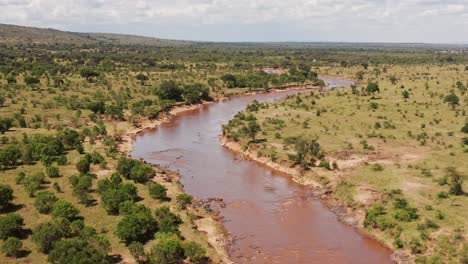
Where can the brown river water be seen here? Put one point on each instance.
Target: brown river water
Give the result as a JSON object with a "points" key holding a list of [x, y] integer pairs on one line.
{"points": [[272, 218]]}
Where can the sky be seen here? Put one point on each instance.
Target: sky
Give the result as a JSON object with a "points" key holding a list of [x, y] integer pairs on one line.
{"points": [[430, 21]]}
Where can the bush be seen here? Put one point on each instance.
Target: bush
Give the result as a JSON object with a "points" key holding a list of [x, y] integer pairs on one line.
{"points": [[168, 222], [44, 201], [83, 165], [372, 216], [6, 196], [157, 191], [46, 234], [407, 214], [465, 128], [75, 250], [136, 227], [184, 199], [112, 198], [137, 251], [32, 183], [52, 172], [167, 250], [12, 247], [11, 225], [64, 209], [416, 246], [141, 172], [194, 252]]}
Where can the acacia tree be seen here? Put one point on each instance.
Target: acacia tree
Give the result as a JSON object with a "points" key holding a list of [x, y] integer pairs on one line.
{"points": [[372, 88], [6, 196], [452, 99], [252, 129], [142, 78]]}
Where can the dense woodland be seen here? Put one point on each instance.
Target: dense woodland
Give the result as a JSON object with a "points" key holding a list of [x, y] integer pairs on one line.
{"points": [[68, 196]]}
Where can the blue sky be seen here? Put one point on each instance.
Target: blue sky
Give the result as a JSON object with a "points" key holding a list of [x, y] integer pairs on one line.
{"points": [[252, 20]]}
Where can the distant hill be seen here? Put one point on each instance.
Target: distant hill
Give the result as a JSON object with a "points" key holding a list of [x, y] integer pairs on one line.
{"points": [[12, 34]]}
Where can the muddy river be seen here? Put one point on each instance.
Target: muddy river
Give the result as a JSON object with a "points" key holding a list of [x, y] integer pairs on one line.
{"points": [[272, 218]]}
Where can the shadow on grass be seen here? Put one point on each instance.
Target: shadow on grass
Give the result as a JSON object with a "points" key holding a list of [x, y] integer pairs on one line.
{"points": [[12, 208]]}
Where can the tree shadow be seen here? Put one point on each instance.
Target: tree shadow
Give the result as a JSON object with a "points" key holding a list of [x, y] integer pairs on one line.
{"points": [[12, 208], [116, 258], [23, 253], [24, 233]]}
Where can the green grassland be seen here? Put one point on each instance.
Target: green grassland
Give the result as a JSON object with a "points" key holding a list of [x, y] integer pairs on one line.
{"points": [[395, 145]]}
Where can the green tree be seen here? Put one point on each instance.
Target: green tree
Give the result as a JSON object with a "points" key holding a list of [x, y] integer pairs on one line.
{"points": [[33, 182], [6, 196], [12, 247], [169, 90], [157, 191], [195, 253], [65, 210], [30, 80], [142, 78], [137, 251], [5, 124], [11, 225], [252, 129], [465, 128], [184, 199], [141, 172], [112, 198], [77, 251], [52, 171], [168, 222], [406, 94], [83, 165], [372, 88], [136, 227], [452, 99], [89, 74], [46, 234], [456, 181], [168, 249], [44, 201]]}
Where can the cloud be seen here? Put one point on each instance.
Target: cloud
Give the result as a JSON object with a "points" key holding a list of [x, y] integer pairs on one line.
{"points": [[255, 20]]}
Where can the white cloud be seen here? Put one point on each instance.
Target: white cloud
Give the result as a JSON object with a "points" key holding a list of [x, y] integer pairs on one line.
{"points": [[261, 20]]}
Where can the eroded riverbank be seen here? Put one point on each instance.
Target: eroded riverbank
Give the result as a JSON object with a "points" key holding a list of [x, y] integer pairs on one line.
{"points": [[272, 218]]}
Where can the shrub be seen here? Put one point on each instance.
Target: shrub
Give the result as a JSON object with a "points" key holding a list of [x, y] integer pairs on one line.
{"points": [[372, 216], [10, 225], [184, 199], [465, 128], [194, 252], [167, 250], [52, 172], [75, 250], [46, 234], [168, 222], [32, 183], [83, 165], [112, 198], [137, 251], [6, 196], [136, 227], [12, 247], [65, 210], [407, 214], [416, 246], [157, 191], [44, 201], [141, 172]]}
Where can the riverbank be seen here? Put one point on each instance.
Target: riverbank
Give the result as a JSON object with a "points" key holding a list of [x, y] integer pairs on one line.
{"points": [[346, 214], [209, 223]]}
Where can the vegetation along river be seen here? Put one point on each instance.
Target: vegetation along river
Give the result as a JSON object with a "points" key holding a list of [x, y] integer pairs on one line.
{"points": [[272, 218]]}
